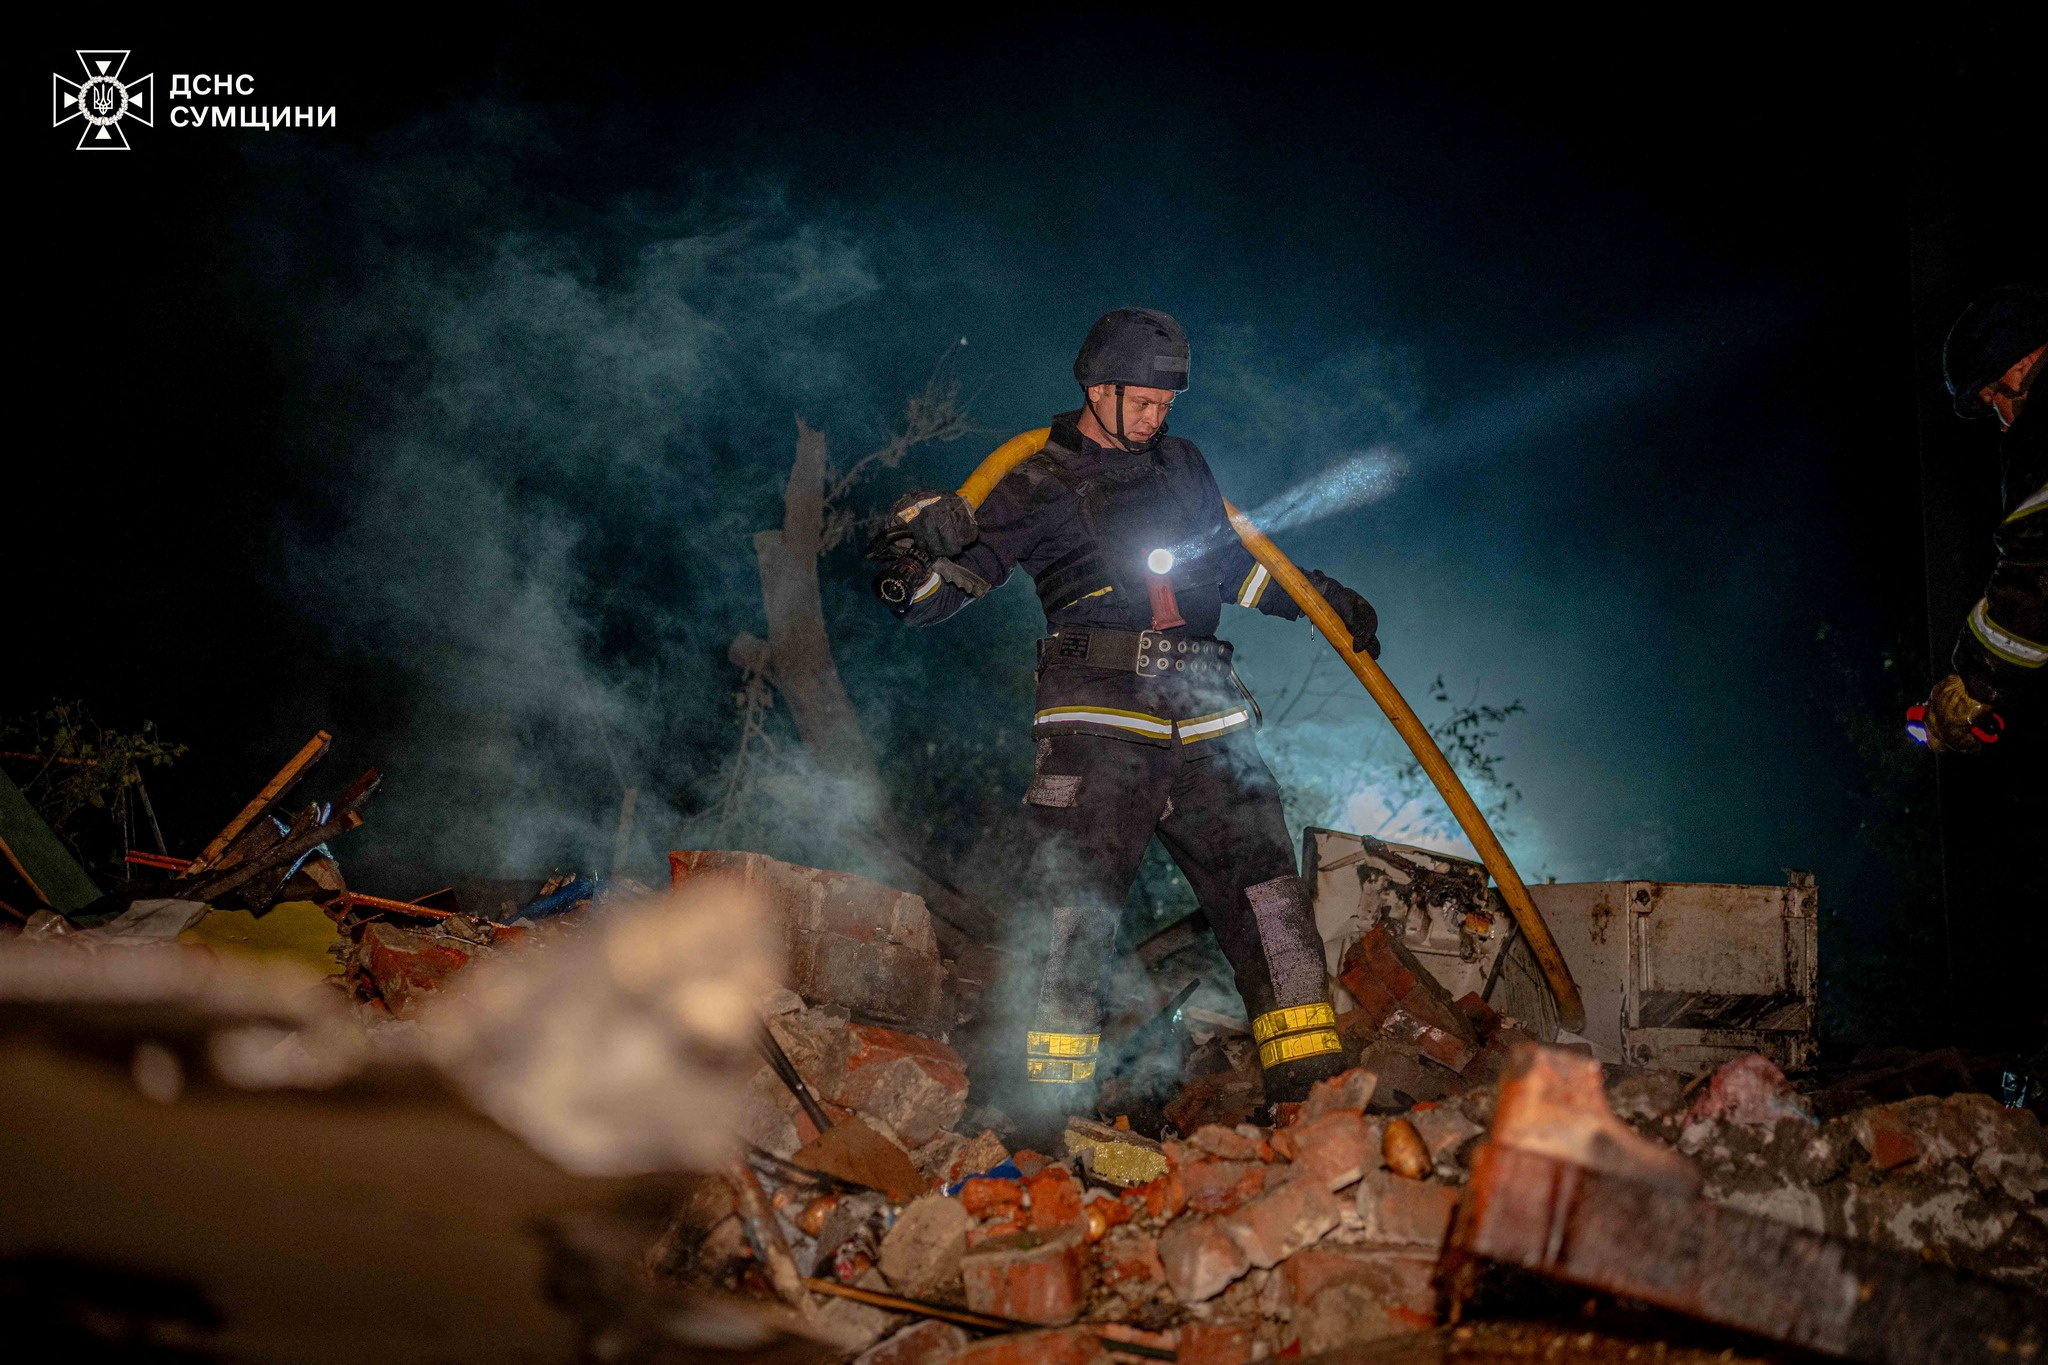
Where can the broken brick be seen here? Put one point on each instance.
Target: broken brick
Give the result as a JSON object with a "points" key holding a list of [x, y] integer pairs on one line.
{"points": [[1283, 1221], [1213, 1186], [1129, 1261], [929, 1342], [1336, 1149], [1749, 1091], [914, 1086], [920, 1255], [1443, 1131], [1444, 1048], [400, 967], [1200, 1258], [983, 1152], [1228, 1144], [990, 1197], [1216, 1343], [1349, 1090], [1067, 1346], [1397, 1212], [1383, 976], [1344, 1298], [1165, 1197], [1030, 1276], [1055, 1199]]}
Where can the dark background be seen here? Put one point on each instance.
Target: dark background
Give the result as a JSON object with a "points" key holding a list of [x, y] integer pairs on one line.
{"points": [[1654, 316]]}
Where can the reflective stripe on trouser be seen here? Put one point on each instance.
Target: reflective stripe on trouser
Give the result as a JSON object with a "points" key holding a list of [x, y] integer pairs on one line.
{"points": [[2016, 650], [1189, 731], [1096, 803]]}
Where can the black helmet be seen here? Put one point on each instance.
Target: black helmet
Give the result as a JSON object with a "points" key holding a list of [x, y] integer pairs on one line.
{"points": [[1142, 347], [1995, 331]]}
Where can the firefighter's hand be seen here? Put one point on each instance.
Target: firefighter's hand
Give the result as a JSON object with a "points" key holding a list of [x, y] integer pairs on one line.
{"points": [[941, 524], [1956, 721], [1357, 613]]}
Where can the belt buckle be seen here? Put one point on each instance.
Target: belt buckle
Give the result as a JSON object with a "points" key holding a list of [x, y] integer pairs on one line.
{"points": [[1145, 641]]}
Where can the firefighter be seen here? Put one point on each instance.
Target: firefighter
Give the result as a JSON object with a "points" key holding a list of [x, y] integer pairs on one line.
{"points": [[1991, 359], [1141, 725]]}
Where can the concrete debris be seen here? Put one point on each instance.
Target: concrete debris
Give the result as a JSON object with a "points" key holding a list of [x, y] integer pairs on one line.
{"points": [[622, 1049]]}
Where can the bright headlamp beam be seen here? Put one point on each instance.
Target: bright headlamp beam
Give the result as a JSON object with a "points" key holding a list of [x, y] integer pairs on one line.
{"points": [[1159, 561]]}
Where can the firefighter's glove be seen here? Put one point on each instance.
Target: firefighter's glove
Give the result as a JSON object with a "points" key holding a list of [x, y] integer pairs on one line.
{"points": [[1956, 721], [940, 524], [1357, 613]]}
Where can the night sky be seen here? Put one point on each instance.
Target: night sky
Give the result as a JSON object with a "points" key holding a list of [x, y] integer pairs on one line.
{"points": [[446, 428]]}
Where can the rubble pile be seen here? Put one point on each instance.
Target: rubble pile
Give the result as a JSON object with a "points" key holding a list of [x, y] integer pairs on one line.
{"points": [[1238, 1240], [794, 1036]]}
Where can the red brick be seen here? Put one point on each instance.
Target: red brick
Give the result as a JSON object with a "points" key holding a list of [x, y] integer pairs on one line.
{"points": [[1350, 1090], [1398, 1212], [1130, 1258], [917, 1086], [1055, 1199], [1164, 1197], [400, 966], [1749, 1091], [1030, 1276], [1346, 1297], [1213, 1186], [1030, 1162], [1068, 1346], [1200, 1258], [929, 1342], [1226, 1143], [1281, 1222], [1889, 1142], [1336, 1149], [1383, 976], [988, 1197], [1216, 1343]]}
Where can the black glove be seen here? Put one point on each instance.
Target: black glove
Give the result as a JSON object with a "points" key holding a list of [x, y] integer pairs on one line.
{"points": [[940, 524], [1359, 617]]}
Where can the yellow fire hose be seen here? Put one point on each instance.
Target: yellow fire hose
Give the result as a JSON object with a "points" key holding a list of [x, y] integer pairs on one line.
{"points": [[1571, 1010]]}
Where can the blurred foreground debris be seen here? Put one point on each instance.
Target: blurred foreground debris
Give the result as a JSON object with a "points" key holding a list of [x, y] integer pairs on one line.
{"points": [[749, 1118]]}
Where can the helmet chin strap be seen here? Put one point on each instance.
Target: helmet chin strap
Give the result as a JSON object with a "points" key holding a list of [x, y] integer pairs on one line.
{"points": [[1123, 442]]}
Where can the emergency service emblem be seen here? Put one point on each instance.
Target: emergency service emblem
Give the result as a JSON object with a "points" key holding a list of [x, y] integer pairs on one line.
{"points": [[103, 100]]}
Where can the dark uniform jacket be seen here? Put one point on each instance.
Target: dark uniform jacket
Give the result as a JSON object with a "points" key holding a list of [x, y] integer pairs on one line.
{"points": [[2001, 652], [1081, 520]]}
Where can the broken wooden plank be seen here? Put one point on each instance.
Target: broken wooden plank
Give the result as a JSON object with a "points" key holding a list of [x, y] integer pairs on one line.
{"points": [[273, 792]]}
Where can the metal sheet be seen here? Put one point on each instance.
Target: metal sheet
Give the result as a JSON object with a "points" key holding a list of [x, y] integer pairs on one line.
{"points": [[1441, 903]]}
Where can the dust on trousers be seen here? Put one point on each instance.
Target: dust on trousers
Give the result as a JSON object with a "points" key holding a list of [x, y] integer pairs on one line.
{"points": [[1094, 804]]}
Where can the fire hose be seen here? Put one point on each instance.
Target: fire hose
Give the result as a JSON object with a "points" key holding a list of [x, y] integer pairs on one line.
{"points": [[1571, 1010]]}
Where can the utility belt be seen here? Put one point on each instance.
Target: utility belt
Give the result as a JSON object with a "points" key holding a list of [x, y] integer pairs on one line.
{"points": [[1147, 653]]}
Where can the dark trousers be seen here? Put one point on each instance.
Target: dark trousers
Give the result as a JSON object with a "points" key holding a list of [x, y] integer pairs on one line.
{"points": [[1096, 802]]}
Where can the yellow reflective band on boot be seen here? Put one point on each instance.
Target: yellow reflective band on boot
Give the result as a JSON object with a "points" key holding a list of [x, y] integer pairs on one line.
{"points": [[1039, 1044], [1293, 1019], [1293, 1047], [1060, 1057]]}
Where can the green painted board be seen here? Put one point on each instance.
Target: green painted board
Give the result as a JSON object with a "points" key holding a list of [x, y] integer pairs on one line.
{"points": [[39, 855]]}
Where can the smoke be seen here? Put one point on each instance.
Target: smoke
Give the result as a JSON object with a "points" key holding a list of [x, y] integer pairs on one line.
{"points": [[561, 437]]}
